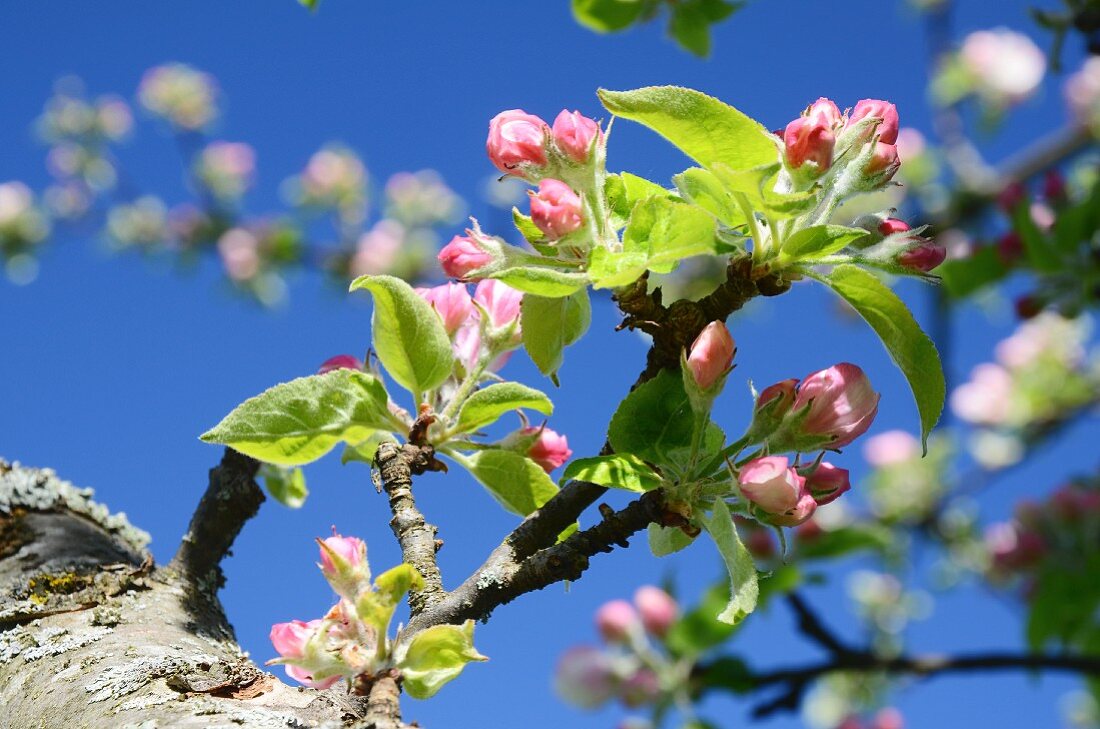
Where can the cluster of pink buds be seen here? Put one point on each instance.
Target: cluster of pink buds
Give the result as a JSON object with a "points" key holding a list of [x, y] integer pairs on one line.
{"points": [[828, 410], [784, 494], [484, 328], [628, 667], [823, 135], [319, 653], [524, 145], [893, 241]]}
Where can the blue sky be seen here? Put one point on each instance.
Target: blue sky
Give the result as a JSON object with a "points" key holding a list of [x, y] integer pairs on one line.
{"points": [[110, 367]]}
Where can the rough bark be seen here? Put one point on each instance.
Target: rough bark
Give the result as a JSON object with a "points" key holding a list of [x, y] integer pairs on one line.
{"points": [[92, 634]]}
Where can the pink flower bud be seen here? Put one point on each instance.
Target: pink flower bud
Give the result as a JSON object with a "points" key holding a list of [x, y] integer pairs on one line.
{"points": [[1054, 187], [501, 301], [782, 393], [574, 133], [775, 488], [1011, 196], [516, 140], [641, 688], [711, 354], [1013, 547], [657, 608], [1010, 247], [841, 404], [462, 256], [891, 448], [452, 302], [889, 226], [615, 620], [887, 130], [550, 450], [556, 209], [340, 362], [825, 112], [888, 718], [827, 482], [585, 677], [809, 139], [344, 564], [924, 256], [883, 163], [290, 638]]}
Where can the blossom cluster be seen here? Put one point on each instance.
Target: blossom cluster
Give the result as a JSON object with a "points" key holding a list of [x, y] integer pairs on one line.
{"points": [[631, 665], [1042, 375]]}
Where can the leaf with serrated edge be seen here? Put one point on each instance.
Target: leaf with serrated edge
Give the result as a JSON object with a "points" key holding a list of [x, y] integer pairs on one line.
{"points": [[620, 471], [549, 325], [517, 482], [485, 406], [744, 588], [909, 347], [299, 421]]}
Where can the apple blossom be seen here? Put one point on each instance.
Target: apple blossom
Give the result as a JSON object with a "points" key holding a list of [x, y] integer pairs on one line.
{"points": [[517, 140], [711, 355], [340, 362], [657, 608], [452, 302], [776, 489], [585, 677], [574, 133], [556, 209], [840, 404], [924, 256], [891, 448], [615, 620], [887, 129], [550, 449], [462, 256], [827, 482], [500, 301]]}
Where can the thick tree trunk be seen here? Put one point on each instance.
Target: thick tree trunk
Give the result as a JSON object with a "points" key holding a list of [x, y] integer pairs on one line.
{"points": [[92, 634]]}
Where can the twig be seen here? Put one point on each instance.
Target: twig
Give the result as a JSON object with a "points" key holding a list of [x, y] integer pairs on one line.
{"points": [[813, 627], [396, 466], [501, 580], [231, 499]]}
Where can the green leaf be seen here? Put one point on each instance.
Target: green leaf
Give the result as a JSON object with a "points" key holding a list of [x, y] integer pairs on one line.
{"points": [[620, 471], [653, 420], [819, 241], [909, 347], [486, 405], [606, 16], [517, 482], [299, 421], [744, 588], [690, 28], [700, 187], [660, 234], [838, 542], [286, 485], [1040, 253], [549, 325], [376, 607], [365, 450], [526, 227], [625, 190], [963, 276], [311, 4], [667, 540], [407, 334], [435, 656], [704, 128], [541, 280], [757, 185]]}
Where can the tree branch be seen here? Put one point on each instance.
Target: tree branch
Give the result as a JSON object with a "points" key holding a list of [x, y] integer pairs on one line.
{"points": [[813, 628], [231, 499], [501, 579], [396, 466]]}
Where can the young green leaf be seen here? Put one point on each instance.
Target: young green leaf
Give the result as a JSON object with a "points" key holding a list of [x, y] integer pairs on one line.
{"points": [[653, 420], [541, 280], [700, 187], [549, 325], [485, 406], [435, 656], [365, 450], [819, 241], [744, 588], [620, 471], [911, 349], [667, 540], [286, 485], [299, 421], [375, 607], [606, 16], [517, 482], [407, 334], [704, 128]]}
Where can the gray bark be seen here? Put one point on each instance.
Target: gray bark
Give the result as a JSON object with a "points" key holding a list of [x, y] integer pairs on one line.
{"points": [[93, 634]]}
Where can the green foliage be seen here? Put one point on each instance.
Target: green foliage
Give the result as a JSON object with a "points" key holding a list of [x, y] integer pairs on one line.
{"points": [[365, 450], [436, 656], [299, 421], [689, 22], [620, 471], [744, 588], [485, 406], [541, 280], [285, 485], [910, 348], [661, 233], [819, 241], [517, 482], [310, 4], [704, 128], [963, 276], [606, 16], [407, 334], [376, 607], [549, 325], [700, 187], [655, 419], [667, 540]]}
